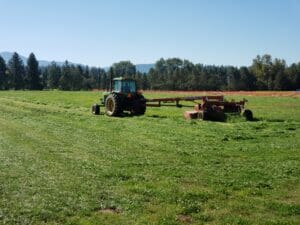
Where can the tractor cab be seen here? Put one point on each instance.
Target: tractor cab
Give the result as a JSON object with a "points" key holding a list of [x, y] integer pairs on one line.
{"points": [[123, 96], [124, 85]]}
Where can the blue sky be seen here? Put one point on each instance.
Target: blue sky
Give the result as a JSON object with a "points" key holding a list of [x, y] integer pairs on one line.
{"points": [[101, 32]]}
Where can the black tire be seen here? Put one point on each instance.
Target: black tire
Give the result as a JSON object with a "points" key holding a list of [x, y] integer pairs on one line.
{"points": [[248, 114], [139, 106], [113, 105], [96, 109]]}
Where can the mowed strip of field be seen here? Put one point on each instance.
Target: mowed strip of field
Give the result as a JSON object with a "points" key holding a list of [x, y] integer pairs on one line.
{"points": [[61, 165]]}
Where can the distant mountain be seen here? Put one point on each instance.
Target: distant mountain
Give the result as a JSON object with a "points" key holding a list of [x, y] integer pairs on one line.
{"points": [[143, 68], [7, 56]]}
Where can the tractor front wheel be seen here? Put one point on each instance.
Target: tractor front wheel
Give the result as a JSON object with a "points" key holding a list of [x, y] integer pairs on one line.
{"points": [[113, 106], [96, 109]]}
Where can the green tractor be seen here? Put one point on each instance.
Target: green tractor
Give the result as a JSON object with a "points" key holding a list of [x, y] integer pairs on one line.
{"points": [[123, 96]]}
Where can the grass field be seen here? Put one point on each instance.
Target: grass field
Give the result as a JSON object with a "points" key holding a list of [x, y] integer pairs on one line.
{"points": [[61, 165]]}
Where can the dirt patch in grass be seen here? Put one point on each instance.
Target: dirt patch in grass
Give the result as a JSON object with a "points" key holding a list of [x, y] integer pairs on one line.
{"points": [[186, 219], [109, 210]]}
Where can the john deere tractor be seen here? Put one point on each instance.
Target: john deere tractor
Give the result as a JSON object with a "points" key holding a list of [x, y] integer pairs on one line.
{"points": [[123, 96]]}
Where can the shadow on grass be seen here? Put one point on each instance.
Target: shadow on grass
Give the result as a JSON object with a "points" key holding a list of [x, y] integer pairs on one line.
{"points": [[270, 120], [227, 119], [128, 114], [124, 114], [157, 116], [275, 120]]}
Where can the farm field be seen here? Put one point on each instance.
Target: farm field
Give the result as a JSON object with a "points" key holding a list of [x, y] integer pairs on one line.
{"points": [[59, 164]]}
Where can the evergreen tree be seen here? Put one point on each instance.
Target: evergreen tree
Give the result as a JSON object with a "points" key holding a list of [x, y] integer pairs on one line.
{"points": [[65, 79], [247, 79], [97, 79], [233, 78], [296, 78], [85, 72], [103, 78], [281, 81], [293, 75], [45, 76], [16, 72], [139, 80], [278, 77], [3, 75], [94, 80], [33, 74], [145, 82], [54, 74], [76, 78], [110, 75]]}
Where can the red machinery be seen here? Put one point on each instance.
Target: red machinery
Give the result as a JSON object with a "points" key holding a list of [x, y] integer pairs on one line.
{"points": [[210, 108]]}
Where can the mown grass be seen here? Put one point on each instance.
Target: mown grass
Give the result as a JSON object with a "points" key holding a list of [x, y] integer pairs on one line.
{"points": [[61, 165]]}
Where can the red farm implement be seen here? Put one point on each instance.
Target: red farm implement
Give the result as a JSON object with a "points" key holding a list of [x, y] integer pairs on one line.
{"points": [[209, 108]]}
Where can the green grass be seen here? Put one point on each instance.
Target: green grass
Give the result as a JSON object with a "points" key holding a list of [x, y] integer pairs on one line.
{"points": [[61, 165]]}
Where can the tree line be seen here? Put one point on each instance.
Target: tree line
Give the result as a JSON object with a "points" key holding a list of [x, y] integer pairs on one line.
{"points": [[264, 73]]}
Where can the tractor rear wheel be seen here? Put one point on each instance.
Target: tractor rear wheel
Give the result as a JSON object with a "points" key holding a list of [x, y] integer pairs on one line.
{"points": [[113, 105]]}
